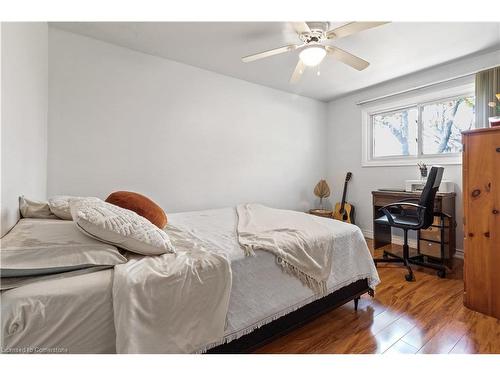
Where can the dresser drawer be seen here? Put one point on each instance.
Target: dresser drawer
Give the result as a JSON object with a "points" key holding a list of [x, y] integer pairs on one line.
{"points": [[433, 249]]}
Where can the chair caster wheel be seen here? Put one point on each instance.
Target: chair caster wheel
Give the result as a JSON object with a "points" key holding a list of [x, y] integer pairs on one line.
{"points": [[441, 274], [409, 277]]}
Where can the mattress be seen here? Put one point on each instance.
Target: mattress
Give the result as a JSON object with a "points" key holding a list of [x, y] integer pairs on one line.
{"points": [[76, 314]]}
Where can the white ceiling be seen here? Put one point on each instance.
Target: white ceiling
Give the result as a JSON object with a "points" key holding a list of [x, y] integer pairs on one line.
{"points": [[393, 50]]}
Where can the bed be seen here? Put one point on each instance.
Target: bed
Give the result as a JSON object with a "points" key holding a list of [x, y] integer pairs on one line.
{"points": [[75, 314]]}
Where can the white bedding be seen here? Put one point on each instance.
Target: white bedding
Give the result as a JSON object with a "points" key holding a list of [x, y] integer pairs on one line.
{"points": [[173, 303], [260, 293], [71, 315]]}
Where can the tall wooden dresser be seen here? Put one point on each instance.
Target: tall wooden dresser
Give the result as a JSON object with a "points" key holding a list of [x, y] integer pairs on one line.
{"points": [[481, 191]]}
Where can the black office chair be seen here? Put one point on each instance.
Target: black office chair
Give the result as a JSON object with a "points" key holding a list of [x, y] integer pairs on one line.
{"points": [[411, 216]]}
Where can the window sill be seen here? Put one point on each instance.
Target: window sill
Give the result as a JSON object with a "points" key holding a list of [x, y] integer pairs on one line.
{"points": [[398, 162]]}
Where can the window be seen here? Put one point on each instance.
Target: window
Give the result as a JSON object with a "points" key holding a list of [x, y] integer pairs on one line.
{"points": [[442, 124], [426, 128], [395, 133]]}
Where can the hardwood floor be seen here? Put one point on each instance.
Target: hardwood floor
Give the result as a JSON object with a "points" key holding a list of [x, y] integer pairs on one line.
{"points": [[426, 316]]}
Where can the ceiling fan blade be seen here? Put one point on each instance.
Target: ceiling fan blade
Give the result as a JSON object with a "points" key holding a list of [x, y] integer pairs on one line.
{"points": [[347, 58], [351, 28], [271, 52], [301, 27], [297, 73]]}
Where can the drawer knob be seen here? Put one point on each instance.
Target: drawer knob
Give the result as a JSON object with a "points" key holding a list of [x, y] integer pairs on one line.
{"points": [[498, 149], [487, 234], [495, 211]]}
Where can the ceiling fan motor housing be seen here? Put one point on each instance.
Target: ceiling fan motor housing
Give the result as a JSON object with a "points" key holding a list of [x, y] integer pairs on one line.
{"points": [[317, 34]]}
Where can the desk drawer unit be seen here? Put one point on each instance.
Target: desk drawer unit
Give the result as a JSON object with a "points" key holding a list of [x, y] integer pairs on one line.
{"points": [[437, 236], [433, 249], [434, 234]]}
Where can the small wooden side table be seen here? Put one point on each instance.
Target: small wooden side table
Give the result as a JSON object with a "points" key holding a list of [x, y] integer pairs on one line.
{"points": [[323, 213]]}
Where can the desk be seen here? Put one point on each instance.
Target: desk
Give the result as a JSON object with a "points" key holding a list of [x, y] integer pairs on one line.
{"points": [[443, 203]]}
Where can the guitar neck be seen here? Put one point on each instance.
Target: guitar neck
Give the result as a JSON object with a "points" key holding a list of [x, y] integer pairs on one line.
{"points": [[342, 204]]}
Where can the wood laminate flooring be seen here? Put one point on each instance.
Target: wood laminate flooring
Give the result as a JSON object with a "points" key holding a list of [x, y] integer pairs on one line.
{"points": [[426, 316]]}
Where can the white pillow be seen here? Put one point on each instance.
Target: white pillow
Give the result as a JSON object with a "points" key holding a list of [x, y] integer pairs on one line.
{"points": [[35, 209], [120, 227], [60, 205], [41, 246]]}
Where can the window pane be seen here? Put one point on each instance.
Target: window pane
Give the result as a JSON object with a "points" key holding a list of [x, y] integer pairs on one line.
{"points": [[395, 133], [442, 123]]}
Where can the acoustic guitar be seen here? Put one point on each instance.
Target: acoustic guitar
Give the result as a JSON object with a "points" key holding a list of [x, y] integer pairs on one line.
{"points": [[344, 211]]}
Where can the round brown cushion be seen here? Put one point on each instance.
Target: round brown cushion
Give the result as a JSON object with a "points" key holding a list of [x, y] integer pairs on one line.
{"points": [[141, 205]]}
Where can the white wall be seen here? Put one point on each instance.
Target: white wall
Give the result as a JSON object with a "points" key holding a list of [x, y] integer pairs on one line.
{"points": [[192, 139], [189, 138], [24, 116], [344, 141]]}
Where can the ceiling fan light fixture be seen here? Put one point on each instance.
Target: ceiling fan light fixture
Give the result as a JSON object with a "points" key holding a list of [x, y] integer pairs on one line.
{"points": [[313, 55]]}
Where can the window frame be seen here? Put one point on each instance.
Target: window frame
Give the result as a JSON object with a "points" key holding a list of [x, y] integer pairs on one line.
{"points": [[417, 101]]}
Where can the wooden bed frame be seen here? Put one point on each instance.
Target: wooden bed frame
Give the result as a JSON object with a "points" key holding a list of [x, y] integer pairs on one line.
{"points": [[295, 319]]}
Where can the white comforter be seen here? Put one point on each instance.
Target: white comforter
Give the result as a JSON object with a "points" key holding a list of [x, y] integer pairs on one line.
{"points": [[173, 303]]}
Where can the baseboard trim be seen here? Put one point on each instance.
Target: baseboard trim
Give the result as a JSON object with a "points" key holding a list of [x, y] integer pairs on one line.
{"points": [[398, 240]]}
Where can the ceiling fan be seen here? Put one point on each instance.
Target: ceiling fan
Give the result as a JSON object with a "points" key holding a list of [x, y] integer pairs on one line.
{"points": [[313, 50]]}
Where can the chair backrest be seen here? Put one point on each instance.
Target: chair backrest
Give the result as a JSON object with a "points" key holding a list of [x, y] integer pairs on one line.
{"points": [[429, 193]]}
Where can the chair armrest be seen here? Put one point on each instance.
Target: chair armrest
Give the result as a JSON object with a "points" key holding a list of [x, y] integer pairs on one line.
{"points": [[386, 209], [403, 203], [387, 213]]}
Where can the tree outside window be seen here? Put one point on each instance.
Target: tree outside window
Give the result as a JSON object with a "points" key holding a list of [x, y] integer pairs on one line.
{"points": [[443, 122]]}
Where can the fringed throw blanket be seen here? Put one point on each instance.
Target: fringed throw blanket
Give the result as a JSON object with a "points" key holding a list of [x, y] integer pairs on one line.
{"points": [[302, 244]]}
